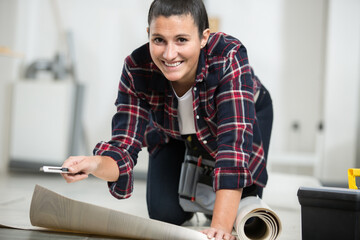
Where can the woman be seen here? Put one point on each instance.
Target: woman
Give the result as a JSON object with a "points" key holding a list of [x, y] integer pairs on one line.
{"points": [[186, 83]]}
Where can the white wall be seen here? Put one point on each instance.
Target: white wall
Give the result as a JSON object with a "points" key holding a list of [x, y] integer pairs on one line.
{"points": [[105, 32], [9, 15], [342, 120], [285, 43], [258, 25]]}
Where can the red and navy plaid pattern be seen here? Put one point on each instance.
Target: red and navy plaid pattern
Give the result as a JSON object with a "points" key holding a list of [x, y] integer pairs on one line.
{"points": [[224, 115]]}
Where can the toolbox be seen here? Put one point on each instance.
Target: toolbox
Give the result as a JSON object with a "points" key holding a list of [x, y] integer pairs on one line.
{"points": [[330, 213]]}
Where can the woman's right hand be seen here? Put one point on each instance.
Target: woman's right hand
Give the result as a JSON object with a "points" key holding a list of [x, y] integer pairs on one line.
{"points": [[80, 167]]}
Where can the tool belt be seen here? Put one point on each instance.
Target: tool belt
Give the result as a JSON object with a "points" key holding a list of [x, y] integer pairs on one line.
{"points": [[196, 193]]}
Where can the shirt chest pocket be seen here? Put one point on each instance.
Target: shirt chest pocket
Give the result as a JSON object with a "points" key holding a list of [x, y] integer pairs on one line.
{"points": [[210, 118]]}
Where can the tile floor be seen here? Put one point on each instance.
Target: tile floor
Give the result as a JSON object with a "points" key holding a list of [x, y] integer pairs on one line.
{"points": [[16, 191]]}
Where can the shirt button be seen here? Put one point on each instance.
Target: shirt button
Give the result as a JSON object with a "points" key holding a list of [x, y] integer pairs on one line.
{"points": [[197, 117], [195, 88], [205, 142]]}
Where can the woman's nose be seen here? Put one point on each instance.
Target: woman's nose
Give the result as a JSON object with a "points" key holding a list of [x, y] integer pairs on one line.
{"points": [[170, 52]]}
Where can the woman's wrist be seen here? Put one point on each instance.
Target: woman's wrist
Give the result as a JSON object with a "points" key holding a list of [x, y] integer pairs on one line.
{"points": [[105, 168]]}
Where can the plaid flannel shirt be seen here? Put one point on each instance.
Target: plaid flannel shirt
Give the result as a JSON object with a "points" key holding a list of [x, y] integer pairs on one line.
{"points": [[224, 115]]}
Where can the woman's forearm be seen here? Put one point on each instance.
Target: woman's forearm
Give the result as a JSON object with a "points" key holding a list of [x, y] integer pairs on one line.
{"points": [[225, 209]]}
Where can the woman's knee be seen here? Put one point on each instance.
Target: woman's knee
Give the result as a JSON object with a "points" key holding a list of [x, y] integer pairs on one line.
{"points": [[161, 213]]}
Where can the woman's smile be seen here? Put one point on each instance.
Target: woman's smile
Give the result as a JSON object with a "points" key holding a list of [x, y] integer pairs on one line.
{"points": [[172, 65]]}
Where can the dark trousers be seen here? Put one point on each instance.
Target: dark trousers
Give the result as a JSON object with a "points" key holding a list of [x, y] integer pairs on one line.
{"points": [[165, 166]]}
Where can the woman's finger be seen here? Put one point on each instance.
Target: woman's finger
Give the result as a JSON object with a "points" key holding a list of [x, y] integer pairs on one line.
{"points": [[216, 234], [210, 232], [70, 178]]}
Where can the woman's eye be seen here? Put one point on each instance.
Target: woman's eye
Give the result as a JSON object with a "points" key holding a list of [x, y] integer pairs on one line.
{"points": [[158, 40], [182, 40]]}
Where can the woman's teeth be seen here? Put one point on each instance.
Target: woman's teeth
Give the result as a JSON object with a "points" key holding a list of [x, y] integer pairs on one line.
{"points": [[172, 64]]}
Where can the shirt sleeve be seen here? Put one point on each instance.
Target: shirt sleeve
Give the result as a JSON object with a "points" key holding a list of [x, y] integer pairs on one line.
{"points": [[235, 117], [128, 128]]}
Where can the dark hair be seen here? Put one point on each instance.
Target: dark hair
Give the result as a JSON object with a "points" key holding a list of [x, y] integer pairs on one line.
{"points": [[167, 8]]}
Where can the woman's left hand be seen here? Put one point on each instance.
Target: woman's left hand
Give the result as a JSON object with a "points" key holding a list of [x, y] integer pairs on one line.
{"points": [[218, 234], [224, 214]]}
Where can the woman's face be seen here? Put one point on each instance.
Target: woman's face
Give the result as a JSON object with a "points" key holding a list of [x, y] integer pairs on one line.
{"points": [[175, 46]]}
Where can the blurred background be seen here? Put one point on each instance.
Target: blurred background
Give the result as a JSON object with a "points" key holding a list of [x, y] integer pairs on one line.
{"points": [[60, 63]]}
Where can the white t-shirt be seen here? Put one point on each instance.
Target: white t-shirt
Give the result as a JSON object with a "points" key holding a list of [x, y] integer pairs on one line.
{"points": [[186, 113]]}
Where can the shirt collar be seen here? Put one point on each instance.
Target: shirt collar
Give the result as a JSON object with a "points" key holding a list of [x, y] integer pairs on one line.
{"points": [[201, 68]]}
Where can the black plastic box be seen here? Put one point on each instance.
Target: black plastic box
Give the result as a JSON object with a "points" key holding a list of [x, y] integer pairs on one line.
{"points": [[330, 213]]}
